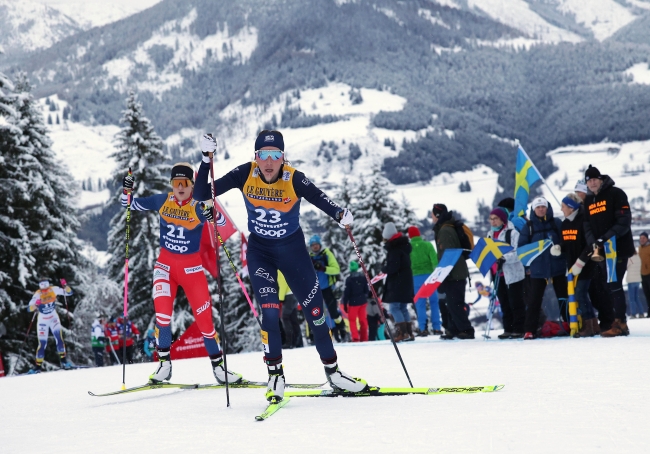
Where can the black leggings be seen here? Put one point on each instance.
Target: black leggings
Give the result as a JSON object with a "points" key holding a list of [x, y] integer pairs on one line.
{"points": [[536, 296]]}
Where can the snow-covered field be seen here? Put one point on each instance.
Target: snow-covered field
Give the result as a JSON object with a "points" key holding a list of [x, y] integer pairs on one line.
{"points": [[561, 395]]}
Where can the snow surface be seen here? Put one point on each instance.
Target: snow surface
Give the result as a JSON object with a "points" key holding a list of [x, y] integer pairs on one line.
{"points": [[644, 4], [640, 73], [625, 163], [94, 13], [602, 17], [517, 14], [561, 395]]}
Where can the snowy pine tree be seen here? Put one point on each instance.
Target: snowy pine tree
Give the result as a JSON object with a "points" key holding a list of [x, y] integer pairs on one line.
{"points": [[140, 149], [38, 222]]}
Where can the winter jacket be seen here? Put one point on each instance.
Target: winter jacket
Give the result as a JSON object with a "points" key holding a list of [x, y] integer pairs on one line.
{"points": [[513, 270], [633, 270], [131, 330], [399, 277], [356, 290], [424, 258], [575, 246], [325, 258], [447, 238], [97, 335], [546, 265], [644, 254], [608, 214]]}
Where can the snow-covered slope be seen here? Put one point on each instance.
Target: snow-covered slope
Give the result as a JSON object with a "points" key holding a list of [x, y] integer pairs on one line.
{"points": [[564, 395], [28, 25], [95, 13]]}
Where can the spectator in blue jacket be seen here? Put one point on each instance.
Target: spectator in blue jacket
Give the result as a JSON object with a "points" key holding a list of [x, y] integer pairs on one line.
{"points": [[149, 345], [551, 264]]}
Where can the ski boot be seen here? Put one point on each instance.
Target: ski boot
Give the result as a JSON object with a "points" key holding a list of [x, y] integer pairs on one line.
{"points": [[340, 381], [66, 364], [275, 387], [35, 370], [164, 372], [220, 372]]}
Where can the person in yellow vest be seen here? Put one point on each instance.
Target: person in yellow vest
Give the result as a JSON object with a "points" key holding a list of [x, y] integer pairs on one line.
{"points": [[272, 191], [289, 313], [44, 301]]}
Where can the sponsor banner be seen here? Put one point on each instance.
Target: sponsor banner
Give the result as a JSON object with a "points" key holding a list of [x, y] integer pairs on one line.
{"points": [[194, 269], [189, 345]]}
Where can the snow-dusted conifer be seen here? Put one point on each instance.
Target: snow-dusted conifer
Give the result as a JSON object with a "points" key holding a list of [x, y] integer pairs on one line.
{"points": [[140, 149]]}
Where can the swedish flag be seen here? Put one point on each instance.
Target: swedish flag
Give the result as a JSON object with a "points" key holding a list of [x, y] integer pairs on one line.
{"points": [[525, 176], [530, 252], [610, 259], [486, 252]]}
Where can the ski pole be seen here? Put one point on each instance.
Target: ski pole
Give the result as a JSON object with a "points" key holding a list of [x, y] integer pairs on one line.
{"points": [[110, 344], [29, 328], [126, 280], [221, 308], [65, 298], [491, 307], [374, 295]]}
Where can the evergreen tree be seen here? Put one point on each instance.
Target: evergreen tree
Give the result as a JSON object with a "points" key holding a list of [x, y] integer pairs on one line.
{"points": [[140, 149], [40, 239]]}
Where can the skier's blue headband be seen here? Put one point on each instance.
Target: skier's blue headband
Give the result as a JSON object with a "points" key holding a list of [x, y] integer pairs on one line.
{"points": [[571, 203]]}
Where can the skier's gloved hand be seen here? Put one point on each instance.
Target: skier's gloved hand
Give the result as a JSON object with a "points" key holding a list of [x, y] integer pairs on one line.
{"points": [[208, 146], [127, 183], [345, 218], [206, 211], [556, 250], [576, 269]]}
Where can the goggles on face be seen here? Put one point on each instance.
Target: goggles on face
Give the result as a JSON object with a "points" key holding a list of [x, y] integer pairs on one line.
{"points": [[178, 182], [274, 154]]}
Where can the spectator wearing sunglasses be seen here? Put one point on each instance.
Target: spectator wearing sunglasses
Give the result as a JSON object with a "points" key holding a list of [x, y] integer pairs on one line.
{"points": [[272, 192], [179, 263]]}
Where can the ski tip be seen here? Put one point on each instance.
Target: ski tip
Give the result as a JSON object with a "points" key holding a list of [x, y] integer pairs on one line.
{"points": [[90, 393]]}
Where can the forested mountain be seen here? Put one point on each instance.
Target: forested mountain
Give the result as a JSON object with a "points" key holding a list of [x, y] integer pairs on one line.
{"points": [[473, 84]]}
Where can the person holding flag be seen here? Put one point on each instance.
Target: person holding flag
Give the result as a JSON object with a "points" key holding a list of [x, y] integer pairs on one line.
{"points": [[179, 263], [272, 191], [509, 276], [548, 265], [453, 286], [608, 219]]}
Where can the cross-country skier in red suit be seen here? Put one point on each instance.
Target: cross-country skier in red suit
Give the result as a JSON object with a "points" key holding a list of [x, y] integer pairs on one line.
{"points": [[179, 263], [272, 191]]}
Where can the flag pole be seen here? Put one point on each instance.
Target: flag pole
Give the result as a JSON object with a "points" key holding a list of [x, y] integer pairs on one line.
{"points": [[538, 172]]}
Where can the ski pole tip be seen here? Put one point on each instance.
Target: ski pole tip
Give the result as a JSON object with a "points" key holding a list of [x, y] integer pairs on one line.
{"points": [[123, 386]]}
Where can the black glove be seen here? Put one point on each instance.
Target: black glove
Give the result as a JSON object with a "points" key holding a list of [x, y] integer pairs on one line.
{"points": [[206, 210], [127, 182], [600, 243], [318, 266], [102, 339]]}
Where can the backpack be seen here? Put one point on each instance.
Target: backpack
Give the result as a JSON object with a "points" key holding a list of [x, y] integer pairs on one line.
{"points": [[466, 238]]}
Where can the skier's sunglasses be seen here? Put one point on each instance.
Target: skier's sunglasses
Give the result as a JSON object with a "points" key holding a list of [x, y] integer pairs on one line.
{"points": [[181, 182], [274, 154]]}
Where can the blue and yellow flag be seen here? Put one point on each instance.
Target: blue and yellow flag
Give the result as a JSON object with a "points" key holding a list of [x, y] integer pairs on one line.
{"points": [[486, 252], [525, 176], [531, 251], [610, 259]]}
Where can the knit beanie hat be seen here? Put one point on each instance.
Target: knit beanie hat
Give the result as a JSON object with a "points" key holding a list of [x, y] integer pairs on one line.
{"points": [[508, 203], [645, 234], [413, 231], [501, 214], [354, 266], [592, 172], [268, 138], [540, 202], [183, 170], [389, 231], [315, 239], [580, 187], [439, 209]]}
